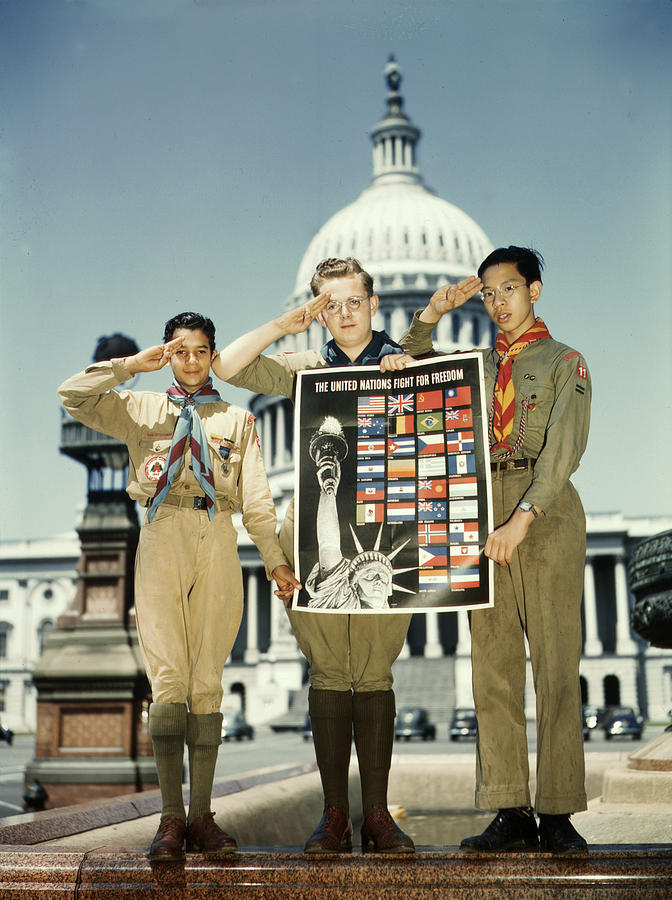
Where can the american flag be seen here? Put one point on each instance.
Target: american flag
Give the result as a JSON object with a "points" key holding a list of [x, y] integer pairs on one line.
{"points": [[371, 405]]}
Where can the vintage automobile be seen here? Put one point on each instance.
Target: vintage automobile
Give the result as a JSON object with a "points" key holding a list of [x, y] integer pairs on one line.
{"points": [[463, 723], [623, 721], [307, 732], [6, 734], [413, 721], [235, 726], [593, 717]]}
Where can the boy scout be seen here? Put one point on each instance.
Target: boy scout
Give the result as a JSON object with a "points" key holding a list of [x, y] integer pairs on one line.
{"points": [[350, 657], [193, 460], [539, 411]]}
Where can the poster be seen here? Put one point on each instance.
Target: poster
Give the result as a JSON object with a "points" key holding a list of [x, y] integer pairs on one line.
{"points": [[393, 495]]}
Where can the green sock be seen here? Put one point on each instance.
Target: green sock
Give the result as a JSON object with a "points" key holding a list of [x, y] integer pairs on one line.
{"points": [[331, 720], [167, 726], [373, 718], [204, 735]]}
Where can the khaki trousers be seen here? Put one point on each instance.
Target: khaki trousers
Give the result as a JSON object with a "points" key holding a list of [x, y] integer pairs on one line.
{"points": [[188, 604], [538, 595], [345, 652]]}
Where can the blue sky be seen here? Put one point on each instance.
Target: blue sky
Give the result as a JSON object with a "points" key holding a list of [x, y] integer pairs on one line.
{"points": [[161, 155]]}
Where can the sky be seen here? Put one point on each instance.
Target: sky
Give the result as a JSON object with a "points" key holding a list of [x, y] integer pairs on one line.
{"points": [[162, 155]]}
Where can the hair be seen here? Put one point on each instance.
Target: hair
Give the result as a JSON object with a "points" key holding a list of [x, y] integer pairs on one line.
{"points": [[529, 262], [193, 322], [114, 345], [339, 268]]}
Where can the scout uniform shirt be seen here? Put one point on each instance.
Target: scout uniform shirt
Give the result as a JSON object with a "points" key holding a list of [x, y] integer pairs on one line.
{"points": [[145, 422]]}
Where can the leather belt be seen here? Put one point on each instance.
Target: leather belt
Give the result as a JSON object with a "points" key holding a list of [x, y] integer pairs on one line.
{"points": [[184, 501], [507, 464]]}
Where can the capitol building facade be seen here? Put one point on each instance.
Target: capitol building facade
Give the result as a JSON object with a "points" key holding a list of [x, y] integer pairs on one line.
{"points": [[411, 241]]}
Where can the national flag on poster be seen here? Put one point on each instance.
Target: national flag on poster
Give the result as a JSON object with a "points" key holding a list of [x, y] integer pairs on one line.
{"points": [[463, 487], [431, 510], [400, 403], [404, 446], [462, 464], [463, 555], [463, 509], [463, 532], [400, 512], [373, 406], [370, 425], [461, 579], [432, 579], [369, 512], [397, 490], [429, 488], [460, 396], [430, 422], [429, 400], [401, 468], [368, 491], [430, 466], [459, 441], [367, 447], [430, 444], [400, 425], [458, 418], [370, 468], [431, 533], [432, 556]]}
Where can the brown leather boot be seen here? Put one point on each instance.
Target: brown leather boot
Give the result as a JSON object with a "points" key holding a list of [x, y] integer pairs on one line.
{"points": [[168, 843], [204, 834], [380, 832], [332, 835]]}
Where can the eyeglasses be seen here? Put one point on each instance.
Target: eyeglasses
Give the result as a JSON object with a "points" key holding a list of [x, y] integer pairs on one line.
{"points": [[352, 303], [506, 291]]}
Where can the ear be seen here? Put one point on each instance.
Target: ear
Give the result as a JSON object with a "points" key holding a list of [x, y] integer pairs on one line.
{"points": [[213, 356], [374, 303], [535, 291]]}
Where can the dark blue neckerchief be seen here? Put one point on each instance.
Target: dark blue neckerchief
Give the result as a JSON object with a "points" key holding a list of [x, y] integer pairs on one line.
{"points": [[380, 345]]}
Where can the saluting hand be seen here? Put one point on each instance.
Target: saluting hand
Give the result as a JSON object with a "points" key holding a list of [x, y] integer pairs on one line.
{"points": [[294, 321], [153, 358], [449, 297]]}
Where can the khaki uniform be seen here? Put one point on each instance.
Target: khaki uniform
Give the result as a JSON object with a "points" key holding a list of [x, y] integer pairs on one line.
{"points": [[344, 651], [188, 579], [539, 594]]}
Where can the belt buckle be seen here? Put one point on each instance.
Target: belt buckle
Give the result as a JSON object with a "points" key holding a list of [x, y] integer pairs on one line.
{"points": [[200, 503]]}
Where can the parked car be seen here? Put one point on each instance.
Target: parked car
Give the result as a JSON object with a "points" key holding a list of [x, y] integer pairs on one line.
{"points": [[593, 717], [307, 729], [6, 734], [463, 723], [234, 726], [623, 720], [413, 721]]}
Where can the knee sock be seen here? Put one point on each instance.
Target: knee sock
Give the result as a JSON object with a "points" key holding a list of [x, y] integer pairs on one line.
{"points": [[204, 735], [331, 720], [167, 726], [373, 718]]}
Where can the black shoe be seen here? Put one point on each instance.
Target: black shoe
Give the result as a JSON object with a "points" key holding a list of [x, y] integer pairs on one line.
{"points": [[558, 835], [511, 829]]}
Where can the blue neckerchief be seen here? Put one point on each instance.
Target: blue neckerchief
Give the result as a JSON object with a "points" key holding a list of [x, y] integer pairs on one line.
{"points": [[380, 345]]}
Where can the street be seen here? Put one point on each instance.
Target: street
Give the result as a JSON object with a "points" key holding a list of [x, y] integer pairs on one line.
{"points": [[269, 748]]}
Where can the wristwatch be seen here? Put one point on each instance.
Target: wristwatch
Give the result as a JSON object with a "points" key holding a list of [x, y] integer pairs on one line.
{"points": [[528, 507]]}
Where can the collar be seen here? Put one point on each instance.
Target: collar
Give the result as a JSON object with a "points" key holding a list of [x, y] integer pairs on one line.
{"points": [[380, 345]]}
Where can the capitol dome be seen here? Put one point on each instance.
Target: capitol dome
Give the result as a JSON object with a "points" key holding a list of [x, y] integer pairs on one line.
{"points": [[401, 232]]}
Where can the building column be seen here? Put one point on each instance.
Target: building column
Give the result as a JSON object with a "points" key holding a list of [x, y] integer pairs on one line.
{"points": [[251, 654], [279, 435], [592, 645], [625, 645], [267, 441], [433, 648], [463, 647]]}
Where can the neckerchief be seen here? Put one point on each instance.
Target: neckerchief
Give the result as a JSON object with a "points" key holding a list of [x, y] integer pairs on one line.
{"points": [[380, 345], [504, 402], [188, 427]]}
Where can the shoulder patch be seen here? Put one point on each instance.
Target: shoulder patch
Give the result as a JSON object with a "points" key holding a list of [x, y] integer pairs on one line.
{"points": [[581, 371], [251, 419], [572, 354]]}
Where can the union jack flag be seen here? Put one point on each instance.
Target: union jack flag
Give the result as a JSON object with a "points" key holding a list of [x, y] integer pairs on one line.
{"points": [[400, 403]]}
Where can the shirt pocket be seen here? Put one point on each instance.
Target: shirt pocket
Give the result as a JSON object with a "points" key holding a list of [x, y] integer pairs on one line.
{"points": [[152, 459], [225, 457], [540, 399]]}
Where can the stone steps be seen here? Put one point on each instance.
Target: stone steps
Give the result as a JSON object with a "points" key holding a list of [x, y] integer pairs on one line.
{"points": [[608, 873]]}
